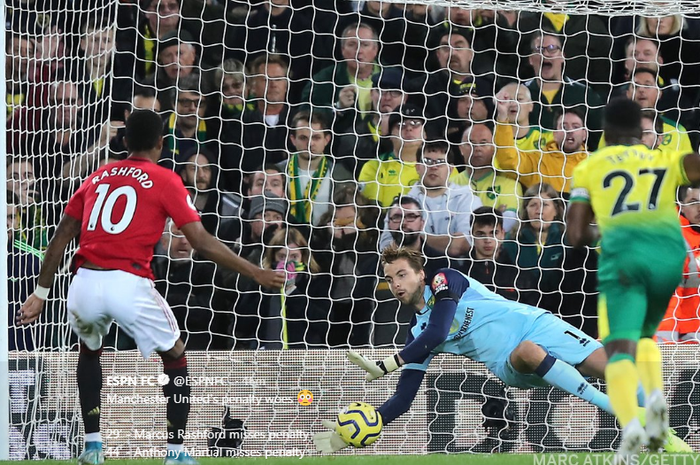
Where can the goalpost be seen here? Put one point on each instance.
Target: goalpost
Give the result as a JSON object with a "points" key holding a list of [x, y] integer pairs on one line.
{"points": [[52, 90]]}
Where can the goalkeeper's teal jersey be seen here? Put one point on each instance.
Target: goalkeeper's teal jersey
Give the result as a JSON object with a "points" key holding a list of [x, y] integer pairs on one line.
{"points": [[486, 327]]}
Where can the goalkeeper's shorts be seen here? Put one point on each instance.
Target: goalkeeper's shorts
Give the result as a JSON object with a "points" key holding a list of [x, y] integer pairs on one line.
{"points": [[558, 338], [97, 298]]}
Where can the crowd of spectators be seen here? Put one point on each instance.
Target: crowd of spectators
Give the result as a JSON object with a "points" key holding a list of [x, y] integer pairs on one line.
{"points": [[312, 134]]}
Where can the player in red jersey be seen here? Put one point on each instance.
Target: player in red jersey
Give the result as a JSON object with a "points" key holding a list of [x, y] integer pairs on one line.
{"points": [[120, 213]]}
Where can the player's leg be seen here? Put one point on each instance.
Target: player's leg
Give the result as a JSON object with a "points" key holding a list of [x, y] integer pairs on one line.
{"points": [[528, 357], [649, 362], [90, 322], [178, 408], [620, 331], [148, 319]]}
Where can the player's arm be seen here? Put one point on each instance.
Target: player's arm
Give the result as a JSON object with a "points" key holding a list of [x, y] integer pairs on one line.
{"points": [[211, 248], [579, 229], [406, 391], [67, 230]]}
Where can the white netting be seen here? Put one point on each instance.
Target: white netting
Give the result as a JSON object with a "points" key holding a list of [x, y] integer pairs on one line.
{"points": [[254, 93]]}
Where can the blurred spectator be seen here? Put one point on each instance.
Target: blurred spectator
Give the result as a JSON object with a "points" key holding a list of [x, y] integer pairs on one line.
{"points": [[186, 129], [448, 207], [350, 227], [230, 82], [494, 45], [492, 188], [20, 59], [564, 277], [344, 88], [454, 55], [527, 137], [552, 89], [586, 41], [298, 317], [359, 139], [228, 105], [682, 321], [266, 216], [554, 164], [267, 180], [193, 288], [220, 211], [387, 19], [22, 270], [275, 27], [177, 58], [678, 46], [94, 71], [312, 176], [266, 135], [30, 223], [491, 265], [644, 89], [472, 102], [395, 172], [390, 319], [137, 46]]}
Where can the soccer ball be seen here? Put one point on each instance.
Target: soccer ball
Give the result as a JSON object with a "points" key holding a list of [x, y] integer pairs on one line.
{"points": [[359, 425]]}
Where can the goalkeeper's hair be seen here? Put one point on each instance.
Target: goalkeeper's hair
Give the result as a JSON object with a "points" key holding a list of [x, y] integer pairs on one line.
{"points": [[415, 258], [623, 120], [144, 129]]}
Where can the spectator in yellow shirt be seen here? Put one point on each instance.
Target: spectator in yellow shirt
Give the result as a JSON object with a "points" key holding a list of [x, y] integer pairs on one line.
{"points": [[527, 137], [554, 164], [395, 172], [494, 189]]}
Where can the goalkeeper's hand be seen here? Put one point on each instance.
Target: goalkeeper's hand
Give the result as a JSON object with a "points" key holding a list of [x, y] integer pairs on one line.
{"points": [[375, 369], [329, 442]]}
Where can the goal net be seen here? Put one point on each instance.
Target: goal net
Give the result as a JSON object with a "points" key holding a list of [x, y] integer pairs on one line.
{"points": [[299, 130]]}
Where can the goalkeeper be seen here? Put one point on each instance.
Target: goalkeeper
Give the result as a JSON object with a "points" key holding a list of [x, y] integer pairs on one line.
{"points": [[523, 346]]}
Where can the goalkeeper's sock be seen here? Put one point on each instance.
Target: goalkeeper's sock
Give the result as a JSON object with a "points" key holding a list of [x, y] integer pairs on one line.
{"points": [[567, 378], [622, 378], [89, 377], [641, 396], [178, 395], [649, 365]]}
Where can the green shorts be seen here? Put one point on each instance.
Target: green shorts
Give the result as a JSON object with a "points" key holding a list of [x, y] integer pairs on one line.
{"points": [[635, 287]]}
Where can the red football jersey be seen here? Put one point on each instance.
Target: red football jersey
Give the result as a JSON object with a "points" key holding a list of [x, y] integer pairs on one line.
{"points": [[123, 207]]}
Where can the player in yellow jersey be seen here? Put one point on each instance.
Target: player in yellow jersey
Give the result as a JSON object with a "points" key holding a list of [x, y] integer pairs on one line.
{"points": [[631, 192]]}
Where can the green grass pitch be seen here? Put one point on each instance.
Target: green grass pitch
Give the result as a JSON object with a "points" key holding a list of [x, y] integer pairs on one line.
{"points": [[434, 459]]}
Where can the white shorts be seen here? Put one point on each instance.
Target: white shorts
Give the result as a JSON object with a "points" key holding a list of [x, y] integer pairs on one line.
{"points": [[96, 298]]}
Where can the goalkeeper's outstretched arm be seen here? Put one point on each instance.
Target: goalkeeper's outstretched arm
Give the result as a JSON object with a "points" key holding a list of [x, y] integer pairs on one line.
{"points": [[401, 401]]}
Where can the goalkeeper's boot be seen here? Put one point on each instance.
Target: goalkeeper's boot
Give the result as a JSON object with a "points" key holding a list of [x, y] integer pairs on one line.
{"points": [[179, 458], [633, 438], [92, 455], [657, 420]]}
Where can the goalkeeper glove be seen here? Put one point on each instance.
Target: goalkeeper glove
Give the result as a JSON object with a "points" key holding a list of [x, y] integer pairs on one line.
{"points": [[328, 442], [374, 369]]}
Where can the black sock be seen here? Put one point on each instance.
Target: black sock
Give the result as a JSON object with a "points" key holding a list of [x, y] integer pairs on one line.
{"points": [[90, 387], [178, 399]]}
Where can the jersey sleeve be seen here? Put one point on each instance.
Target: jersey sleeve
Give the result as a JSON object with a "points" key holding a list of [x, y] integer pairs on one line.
{"points": [[401, 401], [580, 190], [448, 284], [178, 203]]}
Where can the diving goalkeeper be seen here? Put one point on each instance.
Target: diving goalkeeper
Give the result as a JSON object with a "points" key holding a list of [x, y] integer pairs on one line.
{"points": [[523, 346]]}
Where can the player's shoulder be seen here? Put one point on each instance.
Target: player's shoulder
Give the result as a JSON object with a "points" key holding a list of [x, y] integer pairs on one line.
{"points": [[449, 281]]}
